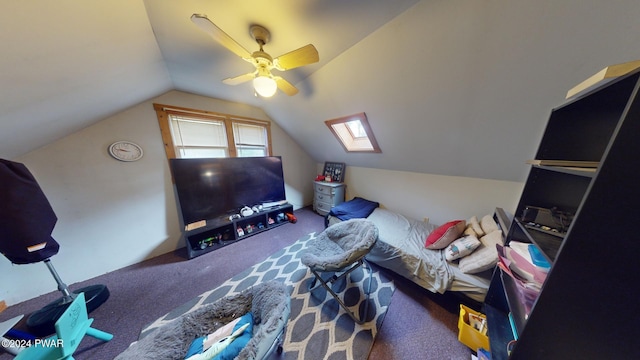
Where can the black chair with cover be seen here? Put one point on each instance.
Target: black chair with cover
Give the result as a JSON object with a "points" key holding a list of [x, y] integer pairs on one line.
{"points": [[26, 223]]}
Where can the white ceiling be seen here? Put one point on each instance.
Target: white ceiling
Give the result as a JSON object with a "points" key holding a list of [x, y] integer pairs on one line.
{"points": [[450, 87], [70, 63], [197, 64]]}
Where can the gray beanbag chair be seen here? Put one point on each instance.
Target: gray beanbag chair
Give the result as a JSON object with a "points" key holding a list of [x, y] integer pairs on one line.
{"points": [[269, 303]]}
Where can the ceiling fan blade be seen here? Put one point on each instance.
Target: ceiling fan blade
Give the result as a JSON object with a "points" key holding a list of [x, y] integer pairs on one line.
{"points": [[203, 22], [239, 79], [303, 56], [285, 86]]}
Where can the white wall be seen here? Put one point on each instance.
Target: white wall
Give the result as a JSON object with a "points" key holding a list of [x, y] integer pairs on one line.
{"points": [[440, 198], [112, 214], [460, 87]]}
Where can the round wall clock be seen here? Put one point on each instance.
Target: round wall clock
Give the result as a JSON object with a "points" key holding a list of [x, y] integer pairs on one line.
{"points": [[125, 151]]}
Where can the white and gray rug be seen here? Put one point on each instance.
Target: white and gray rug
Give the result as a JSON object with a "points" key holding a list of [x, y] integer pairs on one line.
{"points": [[318, 327]]}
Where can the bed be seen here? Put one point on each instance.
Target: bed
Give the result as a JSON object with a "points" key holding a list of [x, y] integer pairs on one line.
{"points": [[401, 248]]}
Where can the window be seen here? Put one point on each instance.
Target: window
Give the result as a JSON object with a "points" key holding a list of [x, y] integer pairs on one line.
{"points": [[354, 133], [189, 133], [196, 138], [250, 140]]}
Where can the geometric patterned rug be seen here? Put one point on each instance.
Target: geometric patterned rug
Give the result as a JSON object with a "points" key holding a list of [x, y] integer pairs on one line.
{"points": [[318, 327]]}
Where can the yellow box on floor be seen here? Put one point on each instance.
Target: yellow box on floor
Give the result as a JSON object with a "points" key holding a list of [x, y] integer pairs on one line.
{"points": [[467, 334]]}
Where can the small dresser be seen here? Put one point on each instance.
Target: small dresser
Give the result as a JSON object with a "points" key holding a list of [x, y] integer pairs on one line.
{"points": [[326, 196]]}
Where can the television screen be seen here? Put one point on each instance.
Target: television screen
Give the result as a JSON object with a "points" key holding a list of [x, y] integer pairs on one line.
{"points": [[213, 187]]}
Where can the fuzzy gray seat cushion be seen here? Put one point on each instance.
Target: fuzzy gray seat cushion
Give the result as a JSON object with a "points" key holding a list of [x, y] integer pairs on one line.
{"points": [[269, 303], [340, 245]]}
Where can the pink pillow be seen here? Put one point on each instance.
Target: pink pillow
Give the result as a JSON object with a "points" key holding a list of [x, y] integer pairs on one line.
{"points": [[444, 235]]}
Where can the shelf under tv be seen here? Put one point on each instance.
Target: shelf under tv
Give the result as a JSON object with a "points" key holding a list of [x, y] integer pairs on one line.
{"points": [[221, 232]]}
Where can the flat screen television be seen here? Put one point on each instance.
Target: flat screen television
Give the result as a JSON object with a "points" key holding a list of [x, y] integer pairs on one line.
{"points": [[213, 187]]}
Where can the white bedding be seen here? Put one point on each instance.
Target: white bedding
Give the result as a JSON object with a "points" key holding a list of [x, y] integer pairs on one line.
{"points": [[400, 248]]}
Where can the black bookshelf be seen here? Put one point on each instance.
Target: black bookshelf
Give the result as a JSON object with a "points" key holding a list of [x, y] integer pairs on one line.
{"points": [[586, 307]]}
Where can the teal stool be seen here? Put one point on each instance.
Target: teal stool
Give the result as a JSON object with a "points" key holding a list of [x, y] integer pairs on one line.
{"points": [[71, 327]]}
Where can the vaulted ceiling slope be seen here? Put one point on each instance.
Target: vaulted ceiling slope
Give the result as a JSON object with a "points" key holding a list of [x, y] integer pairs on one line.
{"points": [[70, 63], [450, 87]]}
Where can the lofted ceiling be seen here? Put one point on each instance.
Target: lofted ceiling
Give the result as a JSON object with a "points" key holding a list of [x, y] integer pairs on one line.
{"points": [[197, 64], [68, 64], [449, 86]]}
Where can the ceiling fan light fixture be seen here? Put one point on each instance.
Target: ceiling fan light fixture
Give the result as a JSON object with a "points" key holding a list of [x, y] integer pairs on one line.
{"points": [[265, 86]]}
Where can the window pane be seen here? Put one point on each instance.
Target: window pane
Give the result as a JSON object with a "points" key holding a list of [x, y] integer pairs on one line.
{"points": [[348, 140], [357, 129], [200, 133], [250, 140], [354, 133], [251, 151], [190, 132], [202, 152], [194, 138], [249, 134]]}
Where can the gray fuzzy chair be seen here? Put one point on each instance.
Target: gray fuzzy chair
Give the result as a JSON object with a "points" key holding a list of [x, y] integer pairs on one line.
{"points": [[269, 303], [336, 252]]}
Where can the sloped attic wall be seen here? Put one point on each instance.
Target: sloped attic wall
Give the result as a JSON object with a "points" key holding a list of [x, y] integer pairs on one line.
{"points": [[459, 87], [112, 214]]}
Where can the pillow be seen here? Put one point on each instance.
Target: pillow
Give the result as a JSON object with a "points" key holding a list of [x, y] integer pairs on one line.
{"points": [[476, 226], [484, 257], [488, 225], [468, 231], [444, 235], [461, 247], [199, 345], [224, 343], [232, 350]]}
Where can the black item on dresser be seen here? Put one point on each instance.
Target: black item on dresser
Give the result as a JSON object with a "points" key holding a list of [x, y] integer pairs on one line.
{"points": [[586, 308]]}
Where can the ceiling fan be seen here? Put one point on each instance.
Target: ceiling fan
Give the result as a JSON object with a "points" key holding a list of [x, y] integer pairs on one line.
{"points": [[264, 83]]}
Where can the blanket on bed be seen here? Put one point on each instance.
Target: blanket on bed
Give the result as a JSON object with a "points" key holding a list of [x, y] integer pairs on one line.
{"points": [[356, 208], [400, 248]]}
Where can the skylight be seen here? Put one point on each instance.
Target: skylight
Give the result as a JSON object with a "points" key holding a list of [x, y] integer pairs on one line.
{"points": [[354, 133]]}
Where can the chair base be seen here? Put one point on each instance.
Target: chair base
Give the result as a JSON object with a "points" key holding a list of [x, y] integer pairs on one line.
{"points": [[42, 322], [326, 284], [70, 328]]}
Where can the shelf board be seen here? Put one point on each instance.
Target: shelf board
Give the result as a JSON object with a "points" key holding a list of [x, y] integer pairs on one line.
{"points": [[565, 163], [549, 242], [601, 77], [222, 226], [223, 220], [573, 170], [548, 232]]}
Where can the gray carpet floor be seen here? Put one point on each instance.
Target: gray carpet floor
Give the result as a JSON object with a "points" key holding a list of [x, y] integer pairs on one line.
{"points": [[418, 324]]}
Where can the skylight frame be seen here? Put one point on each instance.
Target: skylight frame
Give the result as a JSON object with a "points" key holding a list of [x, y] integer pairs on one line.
{"points": [[349, 141]]}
